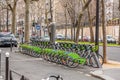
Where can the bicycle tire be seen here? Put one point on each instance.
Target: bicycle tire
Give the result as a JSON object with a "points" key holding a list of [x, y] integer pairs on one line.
{"points": [[94, 64], [56, 77], [72, 63], [101, 59], [63, 60]]}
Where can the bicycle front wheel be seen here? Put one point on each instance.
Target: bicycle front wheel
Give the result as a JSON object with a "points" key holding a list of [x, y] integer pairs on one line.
{"points": [[72, 63]]}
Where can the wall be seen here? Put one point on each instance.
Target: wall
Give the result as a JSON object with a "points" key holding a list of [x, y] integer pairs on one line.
{"points": [[110, 30]]}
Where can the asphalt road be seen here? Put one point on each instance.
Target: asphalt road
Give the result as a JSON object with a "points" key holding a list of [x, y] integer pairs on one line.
{"points": [[113, 53], [36, 68]]}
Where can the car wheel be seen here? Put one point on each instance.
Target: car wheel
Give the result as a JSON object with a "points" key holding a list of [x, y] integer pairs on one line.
{"points": [[15, 45]]}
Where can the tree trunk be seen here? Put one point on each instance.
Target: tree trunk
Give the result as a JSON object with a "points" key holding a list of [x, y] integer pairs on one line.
{"points": [[81, 34], [14, 21], [119, 33], [66, 24], [27, 3], [0, 22], [71, 32], [80, 18], [104, 32], [90, 25], [119, 24]]}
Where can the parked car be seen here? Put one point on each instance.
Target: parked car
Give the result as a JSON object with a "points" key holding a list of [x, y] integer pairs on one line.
{"points": [[35, 37], [110, 39], [60, 37], [79, 38], [86, 38], [68, 37], [6, 38], [45, 38]]}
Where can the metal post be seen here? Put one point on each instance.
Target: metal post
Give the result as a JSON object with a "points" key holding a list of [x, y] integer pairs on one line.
{"points": [[7, 19], [22, 34], [22, 78], [0, 65], [97, 26], [7, 66], [11, 44], [11, 75], [97, 33]]}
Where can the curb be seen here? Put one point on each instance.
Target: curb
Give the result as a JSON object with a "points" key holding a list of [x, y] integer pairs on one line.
{"points": [[100, 74]]}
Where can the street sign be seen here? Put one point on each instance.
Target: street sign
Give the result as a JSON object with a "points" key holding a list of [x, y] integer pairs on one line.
{"points": [[37, 27]]}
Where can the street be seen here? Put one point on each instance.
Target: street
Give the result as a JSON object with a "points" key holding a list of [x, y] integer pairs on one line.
{"points": [[113, 53], [36, 68]]}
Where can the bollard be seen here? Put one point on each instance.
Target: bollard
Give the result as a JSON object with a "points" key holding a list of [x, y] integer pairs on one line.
{"points": [[22, 39], [11, 75], [11, 44], [7, 66], [22, 78], [0, 65]]}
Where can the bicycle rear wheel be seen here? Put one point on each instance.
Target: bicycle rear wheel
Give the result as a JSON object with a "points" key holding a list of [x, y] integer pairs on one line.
{"points": [[93, 62]]}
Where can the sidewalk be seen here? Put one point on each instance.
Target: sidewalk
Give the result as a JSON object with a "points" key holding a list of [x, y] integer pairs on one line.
{"points": [[109, 71], [1, 77]]}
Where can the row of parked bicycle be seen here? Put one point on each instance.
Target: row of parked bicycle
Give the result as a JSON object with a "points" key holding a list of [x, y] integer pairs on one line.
{"points": [[85, 51], [69, 59]]}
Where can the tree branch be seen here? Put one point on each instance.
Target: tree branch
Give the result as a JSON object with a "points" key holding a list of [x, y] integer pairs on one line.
{"points": [[25, 1], [10, 7], [80, 18]]}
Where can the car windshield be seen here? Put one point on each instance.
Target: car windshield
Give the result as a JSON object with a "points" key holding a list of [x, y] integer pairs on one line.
{"points": [[109, 37], [1, 35], [7, 35]]}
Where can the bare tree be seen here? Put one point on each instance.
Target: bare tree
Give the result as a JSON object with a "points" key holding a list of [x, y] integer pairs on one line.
{"points": [[80, 18], [90, 24], [119, 24], [27, 4], [104, 32], [0, 18], [73, 7], [65, 21], [27, 26], [64, 5], [12, 6], [37, 11]]}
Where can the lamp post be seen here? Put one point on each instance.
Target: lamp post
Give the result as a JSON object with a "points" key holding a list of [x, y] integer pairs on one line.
{"points": [[7, 66], [97, 32], [22, 32], [97, 26]]}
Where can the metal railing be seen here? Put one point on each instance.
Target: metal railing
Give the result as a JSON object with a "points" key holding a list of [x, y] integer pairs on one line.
{"points": [[16, 76]]}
